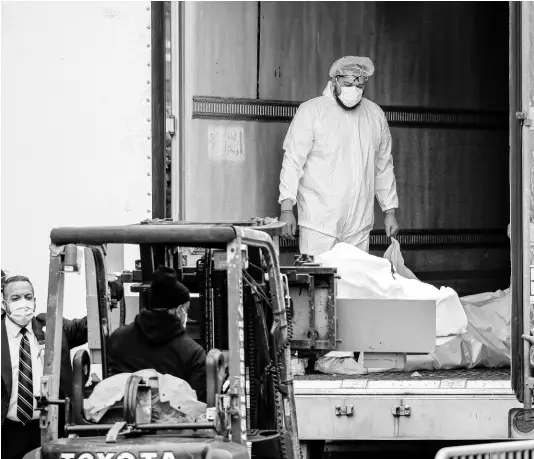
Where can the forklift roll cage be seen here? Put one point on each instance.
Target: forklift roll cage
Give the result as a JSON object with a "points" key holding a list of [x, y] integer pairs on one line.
{"points": [[215, 236]]}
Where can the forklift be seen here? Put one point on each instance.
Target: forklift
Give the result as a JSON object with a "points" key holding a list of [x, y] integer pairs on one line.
{"points": [[242, 322]]}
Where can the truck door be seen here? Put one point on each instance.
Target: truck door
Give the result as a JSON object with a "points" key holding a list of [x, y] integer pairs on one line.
{"points": [[521, 142]]}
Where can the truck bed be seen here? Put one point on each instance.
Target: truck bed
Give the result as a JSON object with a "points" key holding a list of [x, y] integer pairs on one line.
{"points": [[443, 405], [477, 374]]}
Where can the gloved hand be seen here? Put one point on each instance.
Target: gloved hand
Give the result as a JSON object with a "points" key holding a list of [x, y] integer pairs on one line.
{"points": [[391, 225], [529, 338], [289, 230]]}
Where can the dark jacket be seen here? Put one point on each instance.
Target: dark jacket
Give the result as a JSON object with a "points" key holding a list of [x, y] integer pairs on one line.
{"points": [[157, 340], [74, 335]]}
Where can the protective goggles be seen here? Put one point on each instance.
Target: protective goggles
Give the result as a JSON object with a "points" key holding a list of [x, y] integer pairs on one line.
{"points": [[353, 78]]}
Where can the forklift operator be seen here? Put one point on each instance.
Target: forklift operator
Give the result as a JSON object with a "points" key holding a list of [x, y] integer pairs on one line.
{"points": [[157, 339], [337, 158]]}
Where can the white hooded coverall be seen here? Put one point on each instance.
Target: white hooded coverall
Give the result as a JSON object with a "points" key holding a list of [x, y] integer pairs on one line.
{"points": [[335, 161]]}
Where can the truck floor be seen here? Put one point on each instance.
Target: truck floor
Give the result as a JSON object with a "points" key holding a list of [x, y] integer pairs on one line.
{"points": [[477, 374]]}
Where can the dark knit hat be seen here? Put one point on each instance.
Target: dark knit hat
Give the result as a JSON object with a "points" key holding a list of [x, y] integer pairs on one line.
{"points": [[166, 292]]}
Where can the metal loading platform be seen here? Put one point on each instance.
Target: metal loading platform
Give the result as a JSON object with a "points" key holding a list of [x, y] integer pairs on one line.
{"points": [[397, 406], [474, 374]]}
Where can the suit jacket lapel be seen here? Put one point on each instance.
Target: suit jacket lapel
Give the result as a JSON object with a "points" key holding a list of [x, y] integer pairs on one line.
{"points": [[38, 330], [7, 376]]}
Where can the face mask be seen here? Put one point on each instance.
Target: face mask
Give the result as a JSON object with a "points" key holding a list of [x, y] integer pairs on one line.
{"points": [[350, 95], [21, 311], [182, 315]]}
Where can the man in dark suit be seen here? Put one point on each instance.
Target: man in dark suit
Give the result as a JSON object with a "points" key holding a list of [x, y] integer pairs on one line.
{"points": [[23, 337]]}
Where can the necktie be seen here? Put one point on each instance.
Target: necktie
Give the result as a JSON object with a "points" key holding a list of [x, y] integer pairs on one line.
{"points": [[25, 398]]}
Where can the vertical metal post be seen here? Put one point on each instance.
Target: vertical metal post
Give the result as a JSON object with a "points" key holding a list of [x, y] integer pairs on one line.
{"points": [[290, 412], [236, 341], [515, 200], [331, 305], [103, 294], [158, 110], [521, 138], [526, 142], [178, 109], [53, 342], [93, 314], [311, 302]]}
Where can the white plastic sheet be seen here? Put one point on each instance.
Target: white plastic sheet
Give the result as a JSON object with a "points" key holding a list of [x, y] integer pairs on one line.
{"points": [[104, 396], [299, 366], [173, 398], [486, 342], [180, 396], [481, 337], [366, 276], [394, 255], [341, 363]]}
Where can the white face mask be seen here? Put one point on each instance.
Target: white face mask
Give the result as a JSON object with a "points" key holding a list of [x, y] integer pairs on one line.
{"points": [[350, 95], [21, 311], [182, 315]]}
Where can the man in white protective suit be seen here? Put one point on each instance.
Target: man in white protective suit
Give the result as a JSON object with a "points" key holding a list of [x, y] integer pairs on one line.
{"points": [[337, 158]]}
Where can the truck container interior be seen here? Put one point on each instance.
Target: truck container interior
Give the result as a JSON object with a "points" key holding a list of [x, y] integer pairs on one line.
{"points": [[441, 76]]}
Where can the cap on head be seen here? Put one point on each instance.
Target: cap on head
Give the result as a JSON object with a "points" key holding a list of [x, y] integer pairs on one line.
{"points": [[352, 65], [166, 292]]}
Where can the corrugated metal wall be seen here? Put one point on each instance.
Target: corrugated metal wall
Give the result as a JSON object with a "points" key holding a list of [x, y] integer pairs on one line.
{"points": [[427, 55]]}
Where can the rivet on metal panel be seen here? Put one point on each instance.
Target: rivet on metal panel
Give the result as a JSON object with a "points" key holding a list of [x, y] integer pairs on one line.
{"points": [[148, 157], [148, 27], [148, 65], [148, 46], [148, 120], [148, 100]]}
